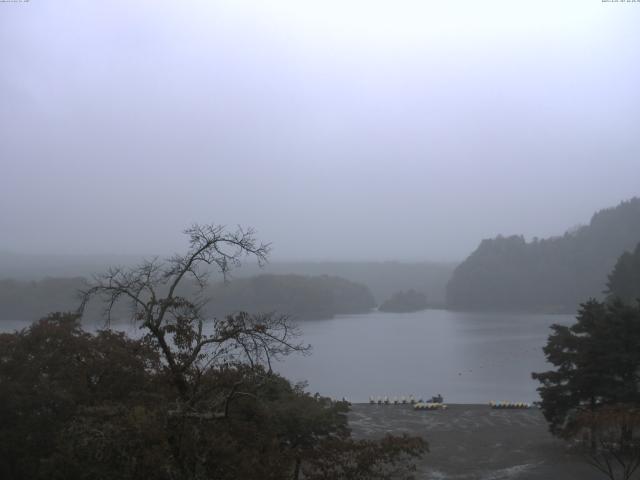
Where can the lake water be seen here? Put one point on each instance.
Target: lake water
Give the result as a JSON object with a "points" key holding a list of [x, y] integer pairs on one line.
{"points": [[466, 357]]}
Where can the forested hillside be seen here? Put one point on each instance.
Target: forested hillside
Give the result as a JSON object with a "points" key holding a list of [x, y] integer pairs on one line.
{"points": [[405, 301], [624, 280], [302, 297], [383, 278], [32, 300], [553, 274]]}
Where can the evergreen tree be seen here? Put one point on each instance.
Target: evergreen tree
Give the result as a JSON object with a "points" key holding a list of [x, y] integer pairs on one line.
{"points": [[624, 280], [597, 363]]}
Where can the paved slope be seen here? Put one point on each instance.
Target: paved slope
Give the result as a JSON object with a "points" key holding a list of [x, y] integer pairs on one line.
{"points": [[475, 442]]}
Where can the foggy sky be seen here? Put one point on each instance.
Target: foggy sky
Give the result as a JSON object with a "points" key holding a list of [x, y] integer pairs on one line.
{"points": [[403, 130]]}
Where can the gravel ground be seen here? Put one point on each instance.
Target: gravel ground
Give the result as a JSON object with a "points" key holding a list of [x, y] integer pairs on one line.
{"points": [[476, 442]]}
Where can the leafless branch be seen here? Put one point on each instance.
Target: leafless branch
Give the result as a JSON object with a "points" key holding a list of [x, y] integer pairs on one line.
{"points": [[190, 343]]}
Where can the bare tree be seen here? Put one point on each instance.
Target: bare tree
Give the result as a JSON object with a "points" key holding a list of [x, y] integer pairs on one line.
{"points": [[190, 343]]}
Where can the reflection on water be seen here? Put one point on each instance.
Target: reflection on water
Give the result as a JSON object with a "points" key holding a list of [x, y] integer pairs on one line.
{"points": [[466, 357]]}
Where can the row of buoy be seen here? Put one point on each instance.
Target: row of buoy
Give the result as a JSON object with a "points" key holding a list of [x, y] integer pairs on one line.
{"points": [[395, 400], [493, 404], [429, 406], [420, 404]]}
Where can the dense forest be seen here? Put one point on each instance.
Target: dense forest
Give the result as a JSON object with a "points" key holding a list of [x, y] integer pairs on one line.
{"points": [[405, 301], [299, 296], [624, 280], [553, 274], [32, 300], [382, 278]]}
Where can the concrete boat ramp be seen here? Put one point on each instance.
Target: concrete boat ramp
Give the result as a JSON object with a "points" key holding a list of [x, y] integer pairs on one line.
{"points": [[476, 442]]}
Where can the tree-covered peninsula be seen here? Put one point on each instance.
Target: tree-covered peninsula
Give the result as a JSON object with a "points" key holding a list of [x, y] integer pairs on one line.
{"points": [[553, 274], [302, 297], [404, 302]]}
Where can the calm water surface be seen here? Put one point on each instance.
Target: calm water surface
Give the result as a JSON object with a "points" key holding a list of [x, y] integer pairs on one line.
{"points": [[466, 357]]}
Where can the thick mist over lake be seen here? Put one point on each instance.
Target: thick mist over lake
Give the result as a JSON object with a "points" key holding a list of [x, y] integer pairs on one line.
{"points": [[221, 218], [339, 130]]}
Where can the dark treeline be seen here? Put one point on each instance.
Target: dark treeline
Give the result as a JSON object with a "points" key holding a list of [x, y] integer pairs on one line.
{"points": [[383, 278], [624, 280], [554, 274], [31, 300], [300, 296], [405, 301]]}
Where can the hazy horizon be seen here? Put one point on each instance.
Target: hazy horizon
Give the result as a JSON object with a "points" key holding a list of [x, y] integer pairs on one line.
{"points": [[340, 131], [133, 256]]}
